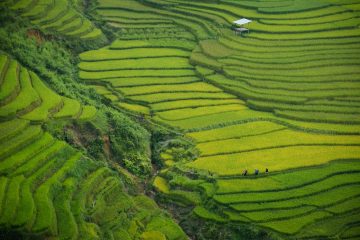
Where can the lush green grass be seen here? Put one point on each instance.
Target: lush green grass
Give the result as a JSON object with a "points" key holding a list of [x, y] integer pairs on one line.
{"points": [[136, 73], [20, 140], [276, 139], [49, 100], [328, 183], [235, 131], [163, 97], [10, 83], [25, 101], [87, 112], [18, 158], [297, 69], [185, 113], [192, 103], [134, 107], [70, 109], [10, 128], [58, 16], [145, 81], [189, 87], [293, 226], [285, 180], [12, 200], [132, 53], [276, 159]]}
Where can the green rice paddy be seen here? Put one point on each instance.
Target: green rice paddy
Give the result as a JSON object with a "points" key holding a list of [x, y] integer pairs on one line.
{"points": [[281, 103], [269, 99]]}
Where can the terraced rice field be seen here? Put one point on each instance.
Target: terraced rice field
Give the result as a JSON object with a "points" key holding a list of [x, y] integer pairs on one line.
{"points": [[24, 95], [48, 188], [60, 16], [284, 97]]}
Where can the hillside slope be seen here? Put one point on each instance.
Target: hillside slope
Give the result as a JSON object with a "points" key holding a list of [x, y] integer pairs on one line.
{"points": [[284, 97]]}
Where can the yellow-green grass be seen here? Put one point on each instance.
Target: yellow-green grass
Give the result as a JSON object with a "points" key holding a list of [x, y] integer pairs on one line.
{"points": [[153, 235], [19, 140], [326, 106], [346, 206], [295, 224], [298, 29], [292, 58], [230, 10], [74, 24], [60, 7], [188, 113], [65, 18], [285, 180], [101, 89], [141, 63], [134, 107], [145, 81], [271, 70], [323, 199], [333, 128], [112, 97], [20, 4], [257, 65], [132, 53], [10, 84], [87, 112], [67, 227], [136, 73], [220, 119], [26, 207], [192, 103], [245, 89], [167, 226], [188, 87], [3, 63], [276, 159], [273, 215], [46, 217], [206, 214], [11, 201], [331, 227], [26, 99], [236, 131], [10, 128], [70, 109], [289, 194], [161, 185], [49, 100], [347, 118], [57, 15], [163, 97], [85, 28], [27, 152], [3, 186], [274, 140], [36, 162], [169, 42], [93, 34], [317, 73]]}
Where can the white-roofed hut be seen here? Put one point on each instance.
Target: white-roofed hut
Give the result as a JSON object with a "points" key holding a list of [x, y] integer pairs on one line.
{"points": [[239, 26]]}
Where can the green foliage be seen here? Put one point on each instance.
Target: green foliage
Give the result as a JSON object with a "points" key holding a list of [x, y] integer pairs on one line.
{"points": [[130, 143]]}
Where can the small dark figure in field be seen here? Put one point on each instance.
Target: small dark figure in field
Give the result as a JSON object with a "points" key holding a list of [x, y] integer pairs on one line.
{"points": [[256, 171], [244, 172], [266, 170]]}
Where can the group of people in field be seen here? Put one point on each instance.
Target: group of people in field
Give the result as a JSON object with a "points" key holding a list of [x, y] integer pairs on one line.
{"points": [[256, 172]]}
